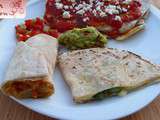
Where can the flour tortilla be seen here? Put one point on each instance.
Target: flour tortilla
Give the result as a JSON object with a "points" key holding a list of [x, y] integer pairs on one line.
{"points": [[29, 73], [92, 71], [128, 29], [134, 27]]}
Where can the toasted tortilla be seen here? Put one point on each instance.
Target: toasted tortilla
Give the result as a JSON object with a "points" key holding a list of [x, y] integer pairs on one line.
{"points": [[133, 29], [29, 73], [100, 72], [128, 29], [131, 32]]}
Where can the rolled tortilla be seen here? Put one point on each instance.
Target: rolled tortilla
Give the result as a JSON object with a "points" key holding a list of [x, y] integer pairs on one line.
{"points": [[29, 73]]}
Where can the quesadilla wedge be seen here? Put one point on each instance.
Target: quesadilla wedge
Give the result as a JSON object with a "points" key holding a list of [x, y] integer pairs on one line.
{"points": [[97, 73], [29, 73]]}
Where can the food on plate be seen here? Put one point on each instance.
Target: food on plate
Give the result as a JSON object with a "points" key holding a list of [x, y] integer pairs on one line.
{"points": [[33, 27], [96, 73], [82, 38], [117, 19], [29, 73]]}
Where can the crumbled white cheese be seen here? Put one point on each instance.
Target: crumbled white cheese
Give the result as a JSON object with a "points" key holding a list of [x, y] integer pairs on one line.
{"points": [[59, 5], [96, 7], [71, 7], [124, 10], [103, 14], [81, 12], [72, 0], [66, 6], [111, 11], [80, 6], [73, 4], [94, 12], [118, 18], [66, 14], [58, 1], [83, 7], [100, 3], [85, 19], [87, 7], [111, 7], [91, 2], [119, 8], [127, 1]]}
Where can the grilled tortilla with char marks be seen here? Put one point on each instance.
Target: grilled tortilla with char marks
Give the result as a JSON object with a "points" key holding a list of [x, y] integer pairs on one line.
{"points": [[99, 72]]}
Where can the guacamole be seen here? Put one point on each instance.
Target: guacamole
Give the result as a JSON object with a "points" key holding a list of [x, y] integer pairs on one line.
{"points": [[82, 38]]}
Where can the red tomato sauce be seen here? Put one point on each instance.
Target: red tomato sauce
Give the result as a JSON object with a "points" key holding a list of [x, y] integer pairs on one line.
{"points": [[96, 15]]}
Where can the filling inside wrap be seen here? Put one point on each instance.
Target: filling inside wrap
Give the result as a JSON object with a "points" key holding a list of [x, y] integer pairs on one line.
{"points": [[29, 88]]}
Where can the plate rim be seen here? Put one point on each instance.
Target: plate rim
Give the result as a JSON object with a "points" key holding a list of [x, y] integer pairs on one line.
{"points": [[153, 9]]}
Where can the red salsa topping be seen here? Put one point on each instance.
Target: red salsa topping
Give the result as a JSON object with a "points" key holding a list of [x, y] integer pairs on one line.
{"points": [[67, 14], [33, 27]]}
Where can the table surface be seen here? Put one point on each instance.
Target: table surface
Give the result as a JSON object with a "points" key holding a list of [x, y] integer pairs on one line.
{"points": [[10, 110]]}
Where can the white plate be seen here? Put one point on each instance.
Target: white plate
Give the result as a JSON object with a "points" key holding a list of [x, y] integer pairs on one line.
{"points": [[60, 105]]}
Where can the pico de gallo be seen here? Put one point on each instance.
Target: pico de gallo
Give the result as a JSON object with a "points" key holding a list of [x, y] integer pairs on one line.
{"points": [[33, 27], [65, 15]]}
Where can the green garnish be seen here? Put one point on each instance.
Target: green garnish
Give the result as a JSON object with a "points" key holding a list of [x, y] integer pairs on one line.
{"points": [[109, 92], [82, 38]]}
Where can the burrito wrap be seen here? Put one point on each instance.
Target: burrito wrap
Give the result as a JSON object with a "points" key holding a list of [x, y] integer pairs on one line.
{"points": [[29, 73]]}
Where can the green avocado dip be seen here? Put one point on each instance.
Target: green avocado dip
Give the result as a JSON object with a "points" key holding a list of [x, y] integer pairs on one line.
{"points": [[117, 91], [82, 38]]}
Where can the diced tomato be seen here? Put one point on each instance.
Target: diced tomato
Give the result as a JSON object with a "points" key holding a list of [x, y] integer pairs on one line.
{"points": [[39, 21], [21, 29], [21, 37], [114, 23], [29, 23], [53, 33], [33, 27], [134, 5], [131, 15], [35, 32]]}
